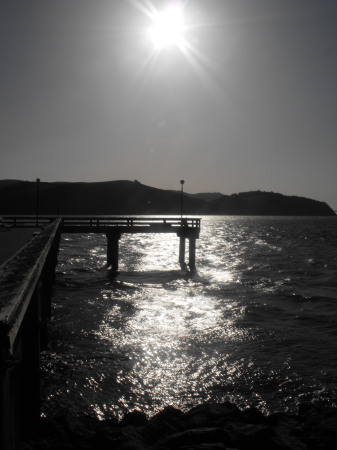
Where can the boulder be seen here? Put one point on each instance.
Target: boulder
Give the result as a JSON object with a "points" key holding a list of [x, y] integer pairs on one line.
{"points": [[193, 437]]}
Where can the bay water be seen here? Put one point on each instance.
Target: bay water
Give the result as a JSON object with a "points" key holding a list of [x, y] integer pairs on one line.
{"points": [[256, 324]]}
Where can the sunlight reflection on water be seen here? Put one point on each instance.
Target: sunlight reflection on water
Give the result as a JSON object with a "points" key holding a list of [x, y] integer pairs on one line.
{"points": [[239, 329]]}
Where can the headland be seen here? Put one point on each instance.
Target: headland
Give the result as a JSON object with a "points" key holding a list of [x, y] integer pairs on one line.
{"points": [[132, 197]]}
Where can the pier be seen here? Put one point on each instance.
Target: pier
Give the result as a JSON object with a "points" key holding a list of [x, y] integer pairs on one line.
{"points": [[25, 302], [114, 227]]}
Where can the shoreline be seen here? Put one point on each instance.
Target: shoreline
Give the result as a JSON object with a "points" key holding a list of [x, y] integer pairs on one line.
{"points": [[208, 426]]}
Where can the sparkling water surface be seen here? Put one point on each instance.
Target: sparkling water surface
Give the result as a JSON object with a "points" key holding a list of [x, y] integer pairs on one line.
{"points": [[255, 325]]}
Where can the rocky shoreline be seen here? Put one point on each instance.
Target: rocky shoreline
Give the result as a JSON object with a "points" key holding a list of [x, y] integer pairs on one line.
{"points": [[204, 427]]}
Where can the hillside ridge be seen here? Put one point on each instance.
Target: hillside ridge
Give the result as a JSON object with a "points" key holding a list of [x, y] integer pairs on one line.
{"points": [[132, 197]]}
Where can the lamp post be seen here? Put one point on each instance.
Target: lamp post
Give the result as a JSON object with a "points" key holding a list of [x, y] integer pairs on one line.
{"points": [[37, 201], [182, 198]]}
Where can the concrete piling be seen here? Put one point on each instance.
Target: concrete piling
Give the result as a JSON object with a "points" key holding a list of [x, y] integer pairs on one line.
{"points": [[113, 249], [182, 247], [191, 262]]}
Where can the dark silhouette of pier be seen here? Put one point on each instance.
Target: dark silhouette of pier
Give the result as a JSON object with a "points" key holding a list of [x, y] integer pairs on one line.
{"points": [[114, 227]]}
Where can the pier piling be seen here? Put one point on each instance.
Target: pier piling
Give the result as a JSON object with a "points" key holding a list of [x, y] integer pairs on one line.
{"points": [[191, 261], [113, 249], [182, 247]]}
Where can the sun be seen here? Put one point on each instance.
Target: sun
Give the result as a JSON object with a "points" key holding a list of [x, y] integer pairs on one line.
{"points": [[168, 27], [171, 28]]}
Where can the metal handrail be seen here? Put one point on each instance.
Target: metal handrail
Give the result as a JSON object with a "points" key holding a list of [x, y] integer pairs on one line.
{"points": [[129, 222], [102, 221]]}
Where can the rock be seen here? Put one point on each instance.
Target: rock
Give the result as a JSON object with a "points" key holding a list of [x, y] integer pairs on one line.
{"points": [[111, 438], [25, 446], [135, 418], [204, 427], [193, 437], [262, 437], [208, 415], [47, 444], [169, 415], [282, 419], [162, 424], [52, 435], [287, 426], [207, 447], [319, 426], [135, 445], [81, 428], [253, 415]]}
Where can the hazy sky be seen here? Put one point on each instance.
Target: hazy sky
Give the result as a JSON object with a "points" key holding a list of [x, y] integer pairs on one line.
{"points": [[245, 100]]}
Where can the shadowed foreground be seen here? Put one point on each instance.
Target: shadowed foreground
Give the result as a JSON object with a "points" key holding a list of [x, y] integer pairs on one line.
{"points": [[208, 426]]}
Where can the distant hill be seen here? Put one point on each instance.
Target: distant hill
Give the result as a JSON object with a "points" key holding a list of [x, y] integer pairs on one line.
{"points": [[208, 196], [131, 197], [270, 204]]}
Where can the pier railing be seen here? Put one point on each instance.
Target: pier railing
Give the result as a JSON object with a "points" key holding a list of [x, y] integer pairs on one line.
{"points": [[25, 221], [97, 224], [128, 224]]}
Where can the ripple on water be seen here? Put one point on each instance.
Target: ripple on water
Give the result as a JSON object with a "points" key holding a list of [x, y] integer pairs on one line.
{"points": [[246, 327]]}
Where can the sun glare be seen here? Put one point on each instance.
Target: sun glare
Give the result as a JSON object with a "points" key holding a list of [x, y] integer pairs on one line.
{"points": [[168, 27]]}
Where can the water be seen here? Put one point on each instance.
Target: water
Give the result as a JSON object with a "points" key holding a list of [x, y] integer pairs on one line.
{"points": [[256, 325]]}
